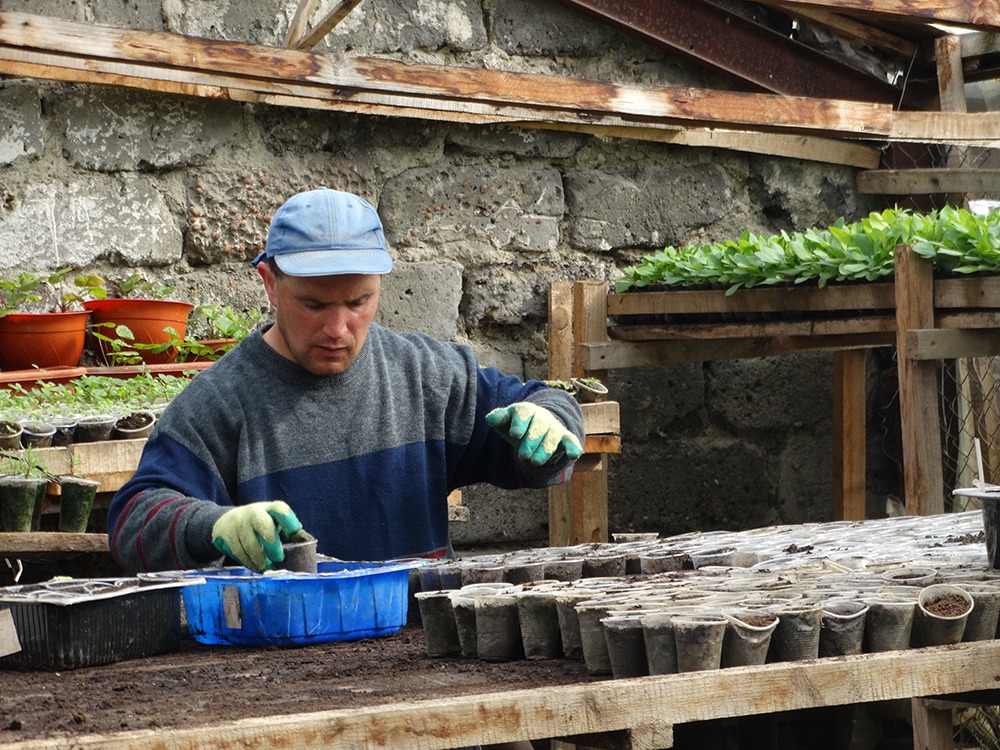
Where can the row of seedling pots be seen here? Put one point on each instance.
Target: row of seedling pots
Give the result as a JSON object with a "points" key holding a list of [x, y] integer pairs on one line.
{"points": [[22, 500], [64, 431], [720, 599]]}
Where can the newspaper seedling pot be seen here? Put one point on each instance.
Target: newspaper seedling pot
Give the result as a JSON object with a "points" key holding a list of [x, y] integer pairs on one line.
{"points": [[626, 647], [797, 635], [498, 628], [440, 631], [300, 556], [569, 623], [888, 624], [539, 623], [660, 643], [76, 501], [843, 628], [985, 614], [699, 641]]}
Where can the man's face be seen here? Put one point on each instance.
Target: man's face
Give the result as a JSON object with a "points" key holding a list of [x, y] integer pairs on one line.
{"points": [[321, 322]]}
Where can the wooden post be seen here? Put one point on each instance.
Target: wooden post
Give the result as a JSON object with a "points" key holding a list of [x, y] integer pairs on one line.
{"points": [[561, 368], [932, 727], [590, 489], [951, 92], [849, 435], [918, 390]]}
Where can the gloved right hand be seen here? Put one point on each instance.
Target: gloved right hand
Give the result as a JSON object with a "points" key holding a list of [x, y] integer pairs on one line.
{"points": [[251, 534]]}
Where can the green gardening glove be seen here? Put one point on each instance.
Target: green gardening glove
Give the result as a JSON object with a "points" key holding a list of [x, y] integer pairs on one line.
{"points": [[534, 430], [251, 534]]}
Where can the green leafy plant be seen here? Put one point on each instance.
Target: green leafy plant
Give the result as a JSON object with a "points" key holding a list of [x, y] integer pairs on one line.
{"points": [[48, 292], [954, 240], [563, 385], [25, 463], [226, 322], [135, 286]]}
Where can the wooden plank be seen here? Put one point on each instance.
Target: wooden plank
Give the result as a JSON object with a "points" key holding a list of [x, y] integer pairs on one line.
{"points": [[973, 128], [623, 354], [978, 44], [849, 435], [771, 329], [975, 13], [874, 295], [561, 514], [770, 112], [933, 728], [918, 388], [111, 462], [326, 24], [850, 28], [600, 706], [13, 544], [590, 489], [560, 363], [936, 343], [601, 418], [927, 181], [602, 444], [299, 23]]}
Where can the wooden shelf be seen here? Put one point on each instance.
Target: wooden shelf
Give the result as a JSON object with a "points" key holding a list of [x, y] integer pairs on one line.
{"points": [[22, 544]]}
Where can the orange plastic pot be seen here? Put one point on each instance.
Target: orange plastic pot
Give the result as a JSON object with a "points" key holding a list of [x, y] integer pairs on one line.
{"points": [[148, 320], [42, 340]]}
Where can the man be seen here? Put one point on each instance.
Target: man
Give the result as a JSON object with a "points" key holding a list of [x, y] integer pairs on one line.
{"points": [[328, 421]]}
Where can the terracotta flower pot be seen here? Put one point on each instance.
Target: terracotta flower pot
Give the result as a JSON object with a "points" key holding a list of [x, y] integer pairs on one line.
{"points": [[29, 340], [148, 320]]}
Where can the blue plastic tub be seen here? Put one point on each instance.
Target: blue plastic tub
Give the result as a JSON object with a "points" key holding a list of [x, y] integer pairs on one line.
{"points": [[343, 601]]}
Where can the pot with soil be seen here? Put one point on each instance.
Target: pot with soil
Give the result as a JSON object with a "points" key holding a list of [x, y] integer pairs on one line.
{"points": [[843, 627], [76, 501], [747, 637], [942, 612], [590, 390], [699, 640], [37, 434], [137, 424], [20, 501], [94, 429], [10, 435]]}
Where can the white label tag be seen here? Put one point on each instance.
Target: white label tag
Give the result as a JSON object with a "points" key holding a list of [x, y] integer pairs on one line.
{"points": [[231, 607], [9, 643]]}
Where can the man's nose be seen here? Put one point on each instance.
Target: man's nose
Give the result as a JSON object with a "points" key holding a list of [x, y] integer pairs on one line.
{"points": [[335, 322]]}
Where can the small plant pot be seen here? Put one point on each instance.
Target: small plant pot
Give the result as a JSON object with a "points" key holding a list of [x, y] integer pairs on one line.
{"points": [[797, 635], [76, 501], [138, 424], [10, 435], [595, 645], [590, 390], [539, 624], [300, 556], [564, 569], [440, 632], [985, 614], [569, 623], [498, 628], [65, 433], [910, 576], [699, 641], [651, 563], [843, 628], [888, 624], [20, 501], [94, 429], [747, 638], [524, 571], [604, 566], [660, 642], [37, 434], [626, 647], [942, 612]]}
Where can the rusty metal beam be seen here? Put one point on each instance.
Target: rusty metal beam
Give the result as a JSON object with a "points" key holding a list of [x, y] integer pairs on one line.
{"points": [[731, 44]]}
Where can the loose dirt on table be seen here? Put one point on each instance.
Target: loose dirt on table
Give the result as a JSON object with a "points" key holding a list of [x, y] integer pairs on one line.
{"points": [[202, 685]]}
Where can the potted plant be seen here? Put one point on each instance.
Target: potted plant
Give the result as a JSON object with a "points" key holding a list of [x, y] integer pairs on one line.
{"points": [[590, 390], [40, 323], [226, 326], [76, 499], [23, 479], [141, 308]]}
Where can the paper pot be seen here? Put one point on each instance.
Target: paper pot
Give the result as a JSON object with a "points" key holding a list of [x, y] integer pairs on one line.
{"points": [[942, 612], [76, 500], [747, 638]]}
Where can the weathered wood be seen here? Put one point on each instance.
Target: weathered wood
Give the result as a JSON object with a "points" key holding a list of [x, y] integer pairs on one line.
{"points": [[326, 24], [849, 435], [850, 28], [13, 544], [918, 388], [647, 704], [602, 418], [868, 296], [601, 444], [769, 329], [933, 727], [614, 355], [937, 343], [300, 22], [926, 181], [965, 12], [560, 363]]}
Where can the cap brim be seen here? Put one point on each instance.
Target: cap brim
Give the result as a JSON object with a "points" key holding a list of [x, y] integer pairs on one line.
{"points": [[334, 262]]}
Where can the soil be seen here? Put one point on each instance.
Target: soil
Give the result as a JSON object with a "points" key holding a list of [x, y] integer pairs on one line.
{"points": [[200, 685]]}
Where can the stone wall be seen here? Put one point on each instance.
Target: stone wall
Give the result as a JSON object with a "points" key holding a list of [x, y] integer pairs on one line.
{"points": [[479, 219]]}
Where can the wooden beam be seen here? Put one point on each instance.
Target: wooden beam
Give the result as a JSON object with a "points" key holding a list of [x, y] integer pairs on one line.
{"points": [[14, 544], [849, 435], [601, 418], [771, 329], [299, 23], [918, 387], [976, 13], [926, 181], [850, 28], [650, 705], [560, 362], [326, 24], [937, 343]]}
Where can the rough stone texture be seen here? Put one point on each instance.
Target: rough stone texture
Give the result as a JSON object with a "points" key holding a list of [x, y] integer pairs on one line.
{"points": [[647, 207], [480, 219], [20, 121], [422, 297], [113, 130], [480, 208], [85, 220], [775, 393]]}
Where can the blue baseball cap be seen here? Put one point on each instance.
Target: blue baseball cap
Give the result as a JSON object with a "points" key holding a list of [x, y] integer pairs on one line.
{"points": [[326, 232]]}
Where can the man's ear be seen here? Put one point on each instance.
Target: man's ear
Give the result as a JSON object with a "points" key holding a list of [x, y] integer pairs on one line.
{"points": [[270, 281]]}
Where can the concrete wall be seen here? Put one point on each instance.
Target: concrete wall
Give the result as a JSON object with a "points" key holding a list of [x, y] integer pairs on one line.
{"points": [[479, 219]]}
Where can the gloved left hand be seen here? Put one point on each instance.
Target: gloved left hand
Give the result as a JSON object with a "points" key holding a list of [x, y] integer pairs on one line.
{"points": [[535, 431]]}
